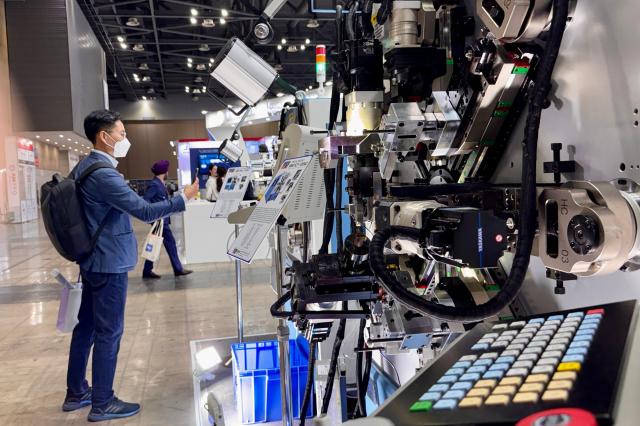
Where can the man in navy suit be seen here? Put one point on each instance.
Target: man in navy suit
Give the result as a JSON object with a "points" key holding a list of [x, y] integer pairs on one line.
{"points": [[107, 199], [156, 192]]}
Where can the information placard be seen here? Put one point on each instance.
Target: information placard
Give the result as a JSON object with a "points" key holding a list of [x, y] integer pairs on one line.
{"points": [[232, 192]]}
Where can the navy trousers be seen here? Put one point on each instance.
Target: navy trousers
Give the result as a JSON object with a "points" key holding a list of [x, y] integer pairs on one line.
{"points": [[172, 250], [101, 322]]}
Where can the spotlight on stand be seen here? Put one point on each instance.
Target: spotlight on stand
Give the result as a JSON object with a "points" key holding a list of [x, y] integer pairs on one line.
{"points": [[230, 150], [246, 74]]}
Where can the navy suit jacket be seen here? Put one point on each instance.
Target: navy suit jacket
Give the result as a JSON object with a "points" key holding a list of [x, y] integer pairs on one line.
{"points": [[156, 192], [105, 194]]}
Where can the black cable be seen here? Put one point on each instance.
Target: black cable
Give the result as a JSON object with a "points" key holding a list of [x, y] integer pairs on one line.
{"points": [[306, 235], [350, 22], [278, 304], [329, 215], [309, 384], [384, 11], [338, 206], [368, 358], [528, 211], [333, 364]]}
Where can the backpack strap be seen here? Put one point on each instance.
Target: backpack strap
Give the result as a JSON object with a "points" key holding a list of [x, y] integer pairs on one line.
{"points": [[85, 174]]}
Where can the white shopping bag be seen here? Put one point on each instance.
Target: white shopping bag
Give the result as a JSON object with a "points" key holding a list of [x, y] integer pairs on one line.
{"points": [[153, 243], [70, 299]]}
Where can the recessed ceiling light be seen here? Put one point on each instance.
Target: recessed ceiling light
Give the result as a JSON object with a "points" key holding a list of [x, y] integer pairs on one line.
{"points": [[223, 21], [132, 22], [204, 112], [310, 87], [56, 143], [135, 76], [193, 21], [76, 149], [76, 142], [64, 146], [283, 41], [189, 60], [124, 45], [224, 13], [189, 65], [303, 47], [120, 39], [69, 139], [48, 140], [279, 47], [37, 136], [194, 12], [144, 98], [307, 41], [211, 60], [61, 136]]}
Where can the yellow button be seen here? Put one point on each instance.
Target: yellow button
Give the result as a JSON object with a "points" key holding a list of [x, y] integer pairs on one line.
{"points": [[470, 402], [497, 400], [560, 384], [482, 392], [555, 395], [569, 366], [537, 378], [516, 381], [504, 390], [565, 375], [532, 387], [526, 397], [489, 383]]}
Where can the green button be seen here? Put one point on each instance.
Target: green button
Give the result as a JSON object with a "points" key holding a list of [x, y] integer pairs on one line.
{"points": [[520, 70], [421, 406]]}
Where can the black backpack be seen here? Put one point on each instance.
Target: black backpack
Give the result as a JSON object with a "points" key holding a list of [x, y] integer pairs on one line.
{"points": [[64, 217]]}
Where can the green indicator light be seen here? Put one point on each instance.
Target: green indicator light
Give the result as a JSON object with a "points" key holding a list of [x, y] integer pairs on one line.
{"points": [[520, 70], [500, 114], [493, 287], [450, 61], [505, 104]]}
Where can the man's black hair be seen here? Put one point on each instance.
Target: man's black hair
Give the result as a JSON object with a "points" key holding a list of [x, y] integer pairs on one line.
{"points": [[98, 121]]}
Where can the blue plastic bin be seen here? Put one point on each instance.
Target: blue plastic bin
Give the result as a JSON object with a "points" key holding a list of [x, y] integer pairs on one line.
{"points": [[256, 379]]}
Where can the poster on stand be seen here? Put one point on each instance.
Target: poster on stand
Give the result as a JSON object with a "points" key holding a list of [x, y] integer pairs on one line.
{"points": [[232, 192], [269, 208]]}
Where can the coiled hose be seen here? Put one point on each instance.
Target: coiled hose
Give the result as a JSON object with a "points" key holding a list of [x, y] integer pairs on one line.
{"points": [[528, 211]]}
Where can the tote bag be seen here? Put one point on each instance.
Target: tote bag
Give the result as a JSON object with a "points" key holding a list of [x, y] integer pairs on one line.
{"points": [[153, 242]]}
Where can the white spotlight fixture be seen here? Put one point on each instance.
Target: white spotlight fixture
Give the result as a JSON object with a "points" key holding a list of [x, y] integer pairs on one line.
{"points": [[144, 98], [133, 22], [224, 13], [244, 73], [279, 47], [283, 41], [208, 23], [194, 12], [307, 41], [313, 23], [120, 39], [230, 150], [204, 112], [189, 65], [204, 48], [146, 78], [48, 140], [61, 136], [189, 60], [37, 136], [292, 49], [223, 21], [303, 47], [138, 47], [193, 20], [123, 45]]}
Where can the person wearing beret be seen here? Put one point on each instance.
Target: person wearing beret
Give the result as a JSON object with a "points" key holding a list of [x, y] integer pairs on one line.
{"points": [[157, 191]]}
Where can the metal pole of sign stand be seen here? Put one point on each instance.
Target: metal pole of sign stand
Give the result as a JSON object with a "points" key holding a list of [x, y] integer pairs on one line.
{"points": [[283, 342], [239, 293]]}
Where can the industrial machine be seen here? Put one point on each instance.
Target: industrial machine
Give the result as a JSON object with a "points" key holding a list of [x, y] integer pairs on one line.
{"points": [[434, 94]]}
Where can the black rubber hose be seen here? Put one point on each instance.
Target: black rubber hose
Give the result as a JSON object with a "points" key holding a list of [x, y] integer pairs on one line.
{"points": [[333, 364], [351, 21], [361, 406], [528, 210], [368, 358], [338, 206], [329, 215], [278, 304], [309, 384]]}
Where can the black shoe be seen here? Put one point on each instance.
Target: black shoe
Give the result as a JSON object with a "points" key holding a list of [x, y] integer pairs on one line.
{"points": [[116, 409], [183, 272], [74, 402], [151, 276]]}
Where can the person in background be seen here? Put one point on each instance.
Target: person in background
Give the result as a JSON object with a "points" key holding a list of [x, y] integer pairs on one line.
{"points": [[211, 183], [156, 192], [107, 201], [214, 183]]}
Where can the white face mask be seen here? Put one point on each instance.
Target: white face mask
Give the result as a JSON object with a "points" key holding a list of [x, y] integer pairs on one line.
{"points": [[121, 147]]}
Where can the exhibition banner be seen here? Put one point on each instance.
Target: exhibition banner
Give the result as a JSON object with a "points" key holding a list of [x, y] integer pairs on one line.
{"points": [[269, 208], [232, 192]]}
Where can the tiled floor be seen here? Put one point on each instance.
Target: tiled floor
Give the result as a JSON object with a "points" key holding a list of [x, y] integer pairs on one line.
{"points": [[154, 365]]}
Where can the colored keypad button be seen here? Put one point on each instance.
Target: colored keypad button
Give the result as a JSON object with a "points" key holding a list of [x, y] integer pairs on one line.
{"points": [[518, 372], [565, 375], [555, 395], [483, 362], [480, 392], [486, 383], [461, 364], [421, 406], [448, 379], [477, 369], [439, 388], [505, 359], [510, 353], [536, 321], [445, 404], [555, 318], [469, 377], [469, 358], [543, 369], [595, 311], [431, 396], [511, 381], [454, 372], [454, 394], [569, 366], [573, 358], [575, 315], [581, 344], [560, 384], [502, 367], [462, 386], [480, 347], [504, 390], [494, 374], [532, 387], [526, 398], [470, 402], [489, 355], [537, 378], [497, 400]]}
